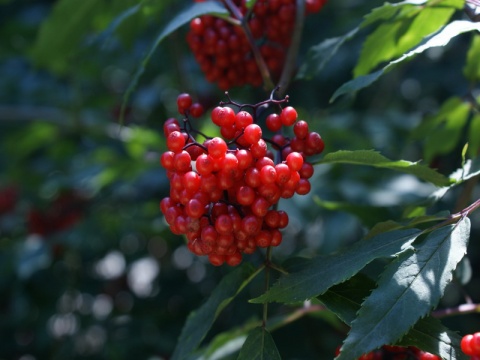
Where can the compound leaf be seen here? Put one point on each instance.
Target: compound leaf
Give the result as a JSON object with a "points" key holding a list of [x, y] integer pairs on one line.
{"points": [[428, 334], [200, 321], [259, 346], [320, 273], [407, 290]]}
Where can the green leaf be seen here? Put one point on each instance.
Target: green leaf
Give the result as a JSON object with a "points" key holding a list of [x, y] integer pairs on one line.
{"points": [[369, 215], [200, 321], [259, 346], [346, 298], [408, 289], [57, 39], [442, 132], [198, 9], [390, 11], [471, 69], [401, 32], [319, 55], [320, 273], [473, 138], [428, 334], [439, 39], [375, 159]]}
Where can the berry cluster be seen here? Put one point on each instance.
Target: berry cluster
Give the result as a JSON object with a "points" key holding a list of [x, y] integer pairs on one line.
{"points": [[471, 345], [396, 353], [223, 50], [224, 190]]}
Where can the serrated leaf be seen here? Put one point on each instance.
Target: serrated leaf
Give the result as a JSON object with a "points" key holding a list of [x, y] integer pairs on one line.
{"points": [[200, 321], [369, 215], [473, 137], [197, 9], [399, 34], [259, 346], [375, 159], [439, 39], [345, 299], [428, 334], [408, 289], [319, 55], [447, 129], [322, 272], [390, 11], [471, 69]]}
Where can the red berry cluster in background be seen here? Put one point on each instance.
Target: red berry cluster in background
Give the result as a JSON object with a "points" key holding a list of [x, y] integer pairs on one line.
{"points": [[392, 352], [62, 213], [8, 199], [223, 190], [224, 52], [471, 345]]}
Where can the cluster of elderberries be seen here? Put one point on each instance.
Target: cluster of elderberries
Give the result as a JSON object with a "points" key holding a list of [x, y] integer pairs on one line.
{"points": [[224, 51], [392, 352], [471, 345], [223, 190]]}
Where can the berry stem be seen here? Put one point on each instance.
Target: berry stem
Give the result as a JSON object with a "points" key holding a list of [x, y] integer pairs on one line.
{"points": [[267, 79], [458, 310], [267, 285], [291, 59]]}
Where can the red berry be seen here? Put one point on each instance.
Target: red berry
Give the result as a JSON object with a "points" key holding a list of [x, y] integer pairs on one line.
{"points": [[273, 122], [184, 101], [217, 147], [300, 129], [252, 133], [175, 141], [294, 161], [243, 119], [466, 345], [288, 116], [216, 259], [223, 116], [196, 110]]}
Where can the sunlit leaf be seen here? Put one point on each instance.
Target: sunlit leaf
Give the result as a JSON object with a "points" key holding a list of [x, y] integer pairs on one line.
{"points": [[439, 39], [375, 159]]}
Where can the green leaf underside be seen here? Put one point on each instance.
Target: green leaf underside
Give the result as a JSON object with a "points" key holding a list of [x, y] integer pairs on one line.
{"points": [[471, 69], [369, 215], [439, 39], [374, 158], [319, 55], [428, 334], [317, 275], [473, 137], [200, 321], [58, 38], [416, 279], [197, 9], [443, 131], [259, 346], [406, 29]]}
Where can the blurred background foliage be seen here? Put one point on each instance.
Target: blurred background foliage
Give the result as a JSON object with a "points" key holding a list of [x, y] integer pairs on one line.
{"points": [[89, 269]]}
